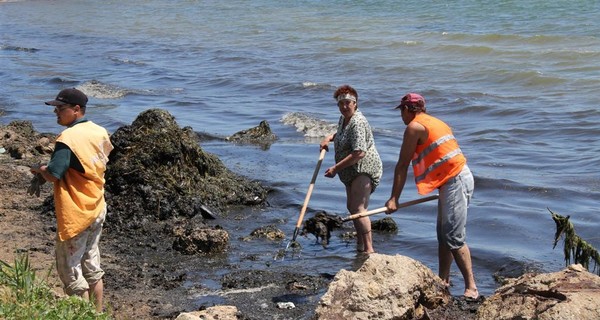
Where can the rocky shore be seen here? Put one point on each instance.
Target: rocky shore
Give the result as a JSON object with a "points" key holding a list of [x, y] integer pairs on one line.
{"points": [[157, 230]]}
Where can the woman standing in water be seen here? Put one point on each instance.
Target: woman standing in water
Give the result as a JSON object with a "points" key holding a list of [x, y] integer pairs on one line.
{"points": [[356, 161]]}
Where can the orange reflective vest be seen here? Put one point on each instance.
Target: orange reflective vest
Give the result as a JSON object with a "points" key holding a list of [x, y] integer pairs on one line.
{"points": [[79, 197], [439, 158]]}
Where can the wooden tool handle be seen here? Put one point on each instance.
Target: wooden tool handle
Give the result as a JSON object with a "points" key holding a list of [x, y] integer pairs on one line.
{"points": [[310, 188], [384, 209]]}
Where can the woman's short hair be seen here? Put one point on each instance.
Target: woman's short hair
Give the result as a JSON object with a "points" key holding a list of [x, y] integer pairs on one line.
{"points": [[345, 89]]}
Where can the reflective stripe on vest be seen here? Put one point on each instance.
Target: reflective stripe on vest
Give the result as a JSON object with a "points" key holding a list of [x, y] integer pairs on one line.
{"points": [[418, 165], [439, 159]]}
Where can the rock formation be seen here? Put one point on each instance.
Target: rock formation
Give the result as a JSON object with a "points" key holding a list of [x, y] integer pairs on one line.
{"points": [[398, 287], [21, 141], [570, 294], [260, 135], [385, 287]]}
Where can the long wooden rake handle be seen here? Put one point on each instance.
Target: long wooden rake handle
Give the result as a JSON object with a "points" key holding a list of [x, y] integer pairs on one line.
{"points": [[384, 209], [308, 194]]}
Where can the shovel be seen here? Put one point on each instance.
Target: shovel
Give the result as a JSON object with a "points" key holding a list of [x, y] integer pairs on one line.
{"points": [[384, 209], [308, 194]]}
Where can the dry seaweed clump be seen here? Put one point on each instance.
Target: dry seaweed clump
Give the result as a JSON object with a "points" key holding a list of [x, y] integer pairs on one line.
{"points": [[159, 169]]}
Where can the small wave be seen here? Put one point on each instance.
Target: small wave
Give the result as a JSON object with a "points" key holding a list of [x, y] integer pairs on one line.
{"points": [[504, 38], [543, 192], [311, 126], [494, 38], [16, 48], [315, 85], [395, 45], [529, 78], [467, 49], [62, 82], [474, 109], [546, 39], [127, 61], [101, 90], [350, 50]]}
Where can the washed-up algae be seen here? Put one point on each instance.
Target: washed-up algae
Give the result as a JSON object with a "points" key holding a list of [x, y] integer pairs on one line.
{"points": [[574, 247], [158, 170]]}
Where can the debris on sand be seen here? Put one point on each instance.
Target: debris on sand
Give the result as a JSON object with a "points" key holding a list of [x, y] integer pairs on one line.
{"points": [[197, 240], [260, 135], [270, 232], [321, 226], [386, 224]]}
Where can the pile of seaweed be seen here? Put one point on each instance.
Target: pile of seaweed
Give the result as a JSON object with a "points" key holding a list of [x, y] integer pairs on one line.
{"points": [[158, 170]]}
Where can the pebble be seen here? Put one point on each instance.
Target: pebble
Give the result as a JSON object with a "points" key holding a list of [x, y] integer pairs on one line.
{"points": [[285, 305]]}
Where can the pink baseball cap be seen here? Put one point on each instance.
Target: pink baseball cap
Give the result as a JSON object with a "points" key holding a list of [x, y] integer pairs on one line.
{"points": [[412, 99]]}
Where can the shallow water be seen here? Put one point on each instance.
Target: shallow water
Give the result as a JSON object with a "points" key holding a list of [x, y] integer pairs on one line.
{"points": [[517, 82]]}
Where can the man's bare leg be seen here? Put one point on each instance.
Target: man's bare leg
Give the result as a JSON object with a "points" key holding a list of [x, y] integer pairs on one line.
{"points": [[97, 293], [445, 259], [463, 261]]}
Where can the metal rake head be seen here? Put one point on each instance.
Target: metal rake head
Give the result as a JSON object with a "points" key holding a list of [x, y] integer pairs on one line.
{"points": [[295, 246]]}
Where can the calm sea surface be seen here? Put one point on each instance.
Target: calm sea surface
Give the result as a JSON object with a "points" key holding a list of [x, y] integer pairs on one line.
{"points": [[517, 80]]}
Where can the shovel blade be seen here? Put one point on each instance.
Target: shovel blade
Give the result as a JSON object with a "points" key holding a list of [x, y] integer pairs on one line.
{"points": [[207, 213]]}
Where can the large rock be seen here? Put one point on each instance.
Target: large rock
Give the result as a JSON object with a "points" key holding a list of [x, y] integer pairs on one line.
{"points": [[197, 240], [21, 141], [261, 135], [270, 232], [573, 293], [212, 313], [385, 287]]}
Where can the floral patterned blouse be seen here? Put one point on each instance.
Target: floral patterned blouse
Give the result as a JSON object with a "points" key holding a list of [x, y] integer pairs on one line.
{"points": [[357, 135]]}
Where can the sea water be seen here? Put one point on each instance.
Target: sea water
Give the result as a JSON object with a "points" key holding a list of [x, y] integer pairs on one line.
{"points": [[518, 82]]}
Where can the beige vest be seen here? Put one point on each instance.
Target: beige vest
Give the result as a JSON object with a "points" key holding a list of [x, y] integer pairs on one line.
{"points": [[79, 197]]}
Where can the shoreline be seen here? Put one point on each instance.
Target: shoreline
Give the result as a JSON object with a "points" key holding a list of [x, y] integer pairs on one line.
{"points": [[145, 278]]}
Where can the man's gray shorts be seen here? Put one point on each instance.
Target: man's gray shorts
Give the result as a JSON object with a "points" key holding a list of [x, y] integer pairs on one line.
{"points": [[455, 196]]}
